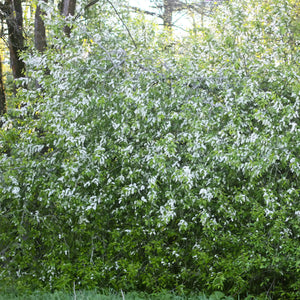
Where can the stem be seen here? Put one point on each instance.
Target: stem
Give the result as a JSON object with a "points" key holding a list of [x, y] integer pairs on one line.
{"points": [[134, 43]]}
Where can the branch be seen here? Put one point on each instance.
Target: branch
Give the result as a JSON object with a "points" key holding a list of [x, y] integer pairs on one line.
{"points": [[134, 43], [95, 1], [136, 9], [4, 8], [87, 6], [91, 3]]}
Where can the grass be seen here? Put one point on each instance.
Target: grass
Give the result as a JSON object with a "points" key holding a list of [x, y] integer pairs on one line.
{"points": [[94, 295]]}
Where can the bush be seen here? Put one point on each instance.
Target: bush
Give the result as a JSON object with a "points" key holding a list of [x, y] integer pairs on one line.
{"points": [[138, 169]]}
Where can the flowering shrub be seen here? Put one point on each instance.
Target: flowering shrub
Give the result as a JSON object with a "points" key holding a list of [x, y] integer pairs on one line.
{"points": [[143, 169]]}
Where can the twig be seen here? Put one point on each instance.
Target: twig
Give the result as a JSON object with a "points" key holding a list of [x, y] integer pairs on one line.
{"points": [[74, 290], [86, 7], [95, 1], [138, 10], [134, 43], [271, 286], [91, 3], [123, 297]]}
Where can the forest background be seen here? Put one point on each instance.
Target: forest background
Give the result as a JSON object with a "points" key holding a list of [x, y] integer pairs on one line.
{"points": [[139, 159]]}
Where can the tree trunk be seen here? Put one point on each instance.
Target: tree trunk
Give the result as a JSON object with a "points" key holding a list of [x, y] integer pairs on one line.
{"points": [[2, 93], [40, 41], [15, 37], [68, 9], [167, 14]]}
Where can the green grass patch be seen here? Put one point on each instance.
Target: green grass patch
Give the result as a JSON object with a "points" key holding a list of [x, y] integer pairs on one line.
{"points": [[94, 295]]}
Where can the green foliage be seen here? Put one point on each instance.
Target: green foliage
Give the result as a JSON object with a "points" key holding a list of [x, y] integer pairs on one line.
{"points": [[144, 169]]}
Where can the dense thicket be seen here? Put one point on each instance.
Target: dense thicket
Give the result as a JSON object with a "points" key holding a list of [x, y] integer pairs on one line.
{"points": [[150, 168]]}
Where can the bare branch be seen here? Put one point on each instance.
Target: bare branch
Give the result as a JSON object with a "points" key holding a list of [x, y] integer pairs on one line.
{"points": [[91, 3], [134, 43], [136, 9]]}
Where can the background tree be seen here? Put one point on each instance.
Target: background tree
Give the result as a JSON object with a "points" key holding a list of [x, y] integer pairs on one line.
{"points": [[12, 9], [167, 8], [40, 40], [68, 9]]}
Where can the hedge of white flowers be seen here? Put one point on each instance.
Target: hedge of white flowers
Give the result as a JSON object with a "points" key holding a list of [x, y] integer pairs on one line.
{"points": [[149, 168]]}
